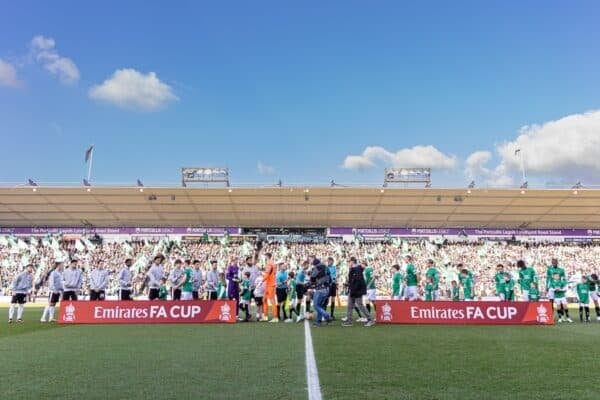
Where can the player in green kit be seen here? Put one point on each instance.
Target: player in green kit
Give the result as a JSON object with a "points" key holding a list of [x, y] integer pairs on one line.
{"points": [[508, 287], [534, 292], [553, 268], [396, 282], [245, 296], [429, 289], [292, 296], [559, 288], [455, 291], [499, 281], [412, 278], [435, 279], [583, 294], [222, 287], [467, 284], [371, 290], [595, 292], [526, 276], [162, 291], [185, 284]]}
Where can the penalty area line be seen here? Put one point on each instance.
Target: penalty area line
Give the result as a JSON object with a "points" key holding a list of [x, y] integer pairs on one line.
{"points": [[312, 375]]}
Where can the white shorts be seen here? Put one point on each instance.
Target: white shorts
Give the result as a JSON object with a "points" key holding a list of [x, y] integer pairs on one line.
{"points": [[435, 295], [411, 293], [242, 301], [502, 296], [594, 296], [550, 294], [583, 305], [525, 295], [372, 294], [396, 297], [293, 303], [186, 295], [469, 300], [562, 300]]}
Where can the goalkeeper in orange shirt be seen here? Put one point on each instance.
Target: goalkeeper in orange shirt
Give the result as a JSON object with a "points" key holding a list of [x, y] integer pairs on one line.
{"points": [[269, 297]]}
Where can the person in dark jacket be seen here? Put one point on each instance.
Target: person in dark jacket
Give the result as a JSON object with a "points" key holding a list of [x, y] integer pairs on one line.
{"points": [[357, 288], [320, 281]]}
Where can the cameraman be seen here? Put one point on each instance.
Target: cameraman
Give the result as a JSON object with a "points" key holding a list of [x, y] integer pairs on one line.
{"points": [[320, 281]]}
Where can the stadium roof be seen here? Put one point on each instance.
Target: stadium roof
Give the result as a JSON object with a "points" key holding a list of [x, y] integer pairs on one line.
{"points": [[298, 207]]}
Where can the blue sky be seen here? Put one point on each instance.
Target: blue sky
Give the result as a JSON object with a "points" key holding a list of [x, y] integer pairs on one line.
{"points": [[300, 87]]}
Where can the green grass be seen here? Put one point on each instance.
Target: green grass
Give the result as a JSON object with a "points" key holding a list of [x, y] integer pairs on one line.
{"points": [[459, 362], [151, 361], [266, 361]]}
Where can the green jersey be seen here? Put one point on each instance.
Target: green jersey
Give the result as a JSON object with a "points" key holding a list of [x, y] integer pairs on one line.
{"points": [[560, 288], [369, 277], [435, 276], [583, 293], [551, 271], [292, 294], [593, 285], [187, 286], [411, 275], [455, 294], [534, 294], [429, 288], [526, 277], [509, 290], [468, 287], [396, 282], [162, 292], [246, 292], [499, 280], [222, 291], [461, 278]]}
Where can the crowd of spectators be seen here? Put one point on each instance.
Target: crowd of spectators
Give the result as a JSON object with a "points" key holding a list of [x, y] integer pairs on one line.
{"points": [[480, 258]]}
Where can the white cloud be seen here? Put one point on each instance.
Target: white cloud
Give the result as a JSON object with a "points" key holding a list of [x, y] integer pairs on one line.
{"points": [[476, 169], [475, 165], [130, 89], [44, 51], [8, 75], [417, 157], [569, 146], [264, 169]]}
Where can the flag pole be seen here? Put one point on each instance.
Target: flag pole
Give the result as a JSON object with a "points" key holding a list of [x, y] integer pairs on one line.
{"points": [[522, 166], [90, 165]]}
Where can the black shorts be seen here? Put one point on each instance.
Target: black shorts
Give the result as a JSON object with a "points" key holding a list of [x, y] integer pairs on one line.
{"points": [[300, 290], [20, 298], [333, 289], [194, 295], [176, 294], [259, 301], [153, 293], [212, 295], [97, 296], [125, 294], [70, 295], [54, 298], [281, 294]]}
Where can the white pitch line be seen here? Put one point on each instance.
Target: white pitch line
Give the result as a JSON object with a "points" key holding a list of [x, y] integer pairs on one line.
{"points": [[312, 375]]}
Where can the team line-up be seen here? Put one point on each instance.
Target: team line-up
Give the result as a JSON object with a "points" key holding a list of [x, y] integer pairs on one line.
{"points": [[292, 291]]}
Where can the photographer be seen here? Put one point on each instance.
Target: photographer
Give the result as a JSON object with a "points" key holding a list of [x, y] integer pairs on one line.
{"points": [[357, 288], [320, 282]]}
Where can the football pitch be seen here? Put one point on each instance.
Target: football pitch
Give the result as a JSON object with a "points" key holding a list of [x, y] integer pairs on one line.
{"points": [[267, 361]]}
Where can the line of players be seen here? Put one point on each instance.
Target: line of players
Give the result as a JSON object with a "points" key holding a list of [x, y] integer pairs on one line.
{"points": [[275, 286]]}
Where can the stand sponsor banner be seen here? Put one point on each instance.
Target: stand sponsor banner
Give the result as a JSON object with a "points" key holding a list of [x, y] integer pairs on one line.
{"points": [[147, 312], [464, 232], [465, 312]]}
